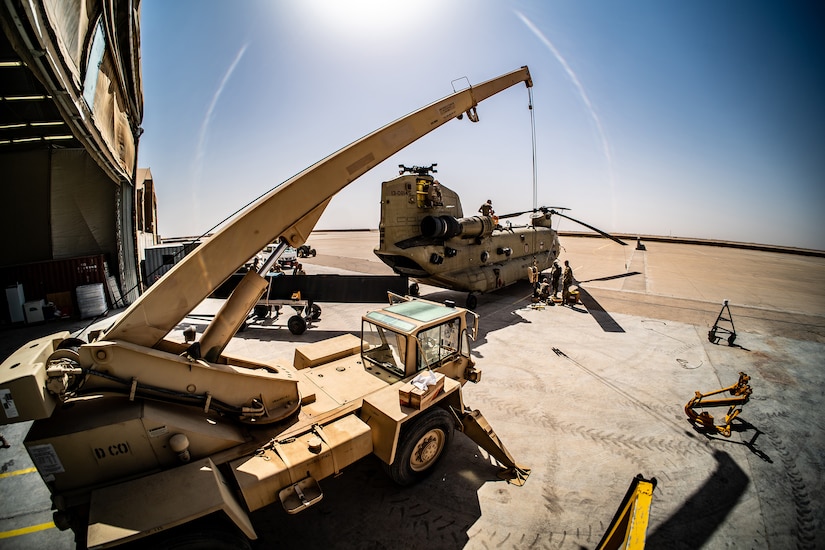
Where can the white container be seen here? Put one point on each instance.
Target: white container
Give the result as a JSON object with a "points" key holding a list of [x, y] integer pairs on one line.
{"points": [[91, 300], [34, 311], [15, 298]]}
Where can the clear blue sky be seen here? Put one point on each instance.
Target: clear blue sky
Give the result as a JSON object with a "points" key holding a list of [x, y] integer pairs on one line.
{"points": [[693, 119]]}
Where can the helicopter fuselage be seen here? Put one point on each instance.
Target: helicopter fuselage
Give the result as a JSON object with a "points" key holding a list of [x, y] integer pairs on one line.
{"points": [[424, 235]]}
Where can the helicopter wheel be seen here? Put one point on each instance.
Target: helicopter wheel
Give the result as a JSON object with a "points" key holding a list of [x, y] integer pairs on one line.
{"points": [[472, 301], [415, 290]]}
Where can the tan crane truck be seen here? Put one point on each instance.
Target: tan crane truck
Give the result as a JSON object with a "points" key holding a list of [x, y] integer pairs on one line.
{"points": [[137, 435]]}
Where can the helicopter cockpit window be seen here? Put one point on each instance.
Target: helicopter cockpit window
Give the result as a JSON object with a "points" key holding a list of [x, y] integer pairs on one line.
{"points": [[383, 348], [438, 343]]}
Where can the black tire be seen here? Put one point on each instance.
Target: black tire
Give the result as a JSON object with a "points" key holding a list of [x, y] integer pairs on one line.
{"points": [[415, 290], [261, 311], [731, 339], [313, 252], [472, 301], [421, 445], [296, 325], [302, 252], [712, 336]]}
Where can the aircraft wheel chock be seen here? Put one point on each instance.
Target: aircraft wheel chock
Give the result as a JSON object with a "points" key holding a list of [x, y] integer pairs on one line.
{"points": [[296, 325], [421, 445]]}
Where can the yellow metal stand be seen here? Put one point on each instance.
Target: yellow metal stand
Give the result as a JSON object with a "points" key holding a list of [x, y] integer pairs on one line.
{"points": [[740, 393]]}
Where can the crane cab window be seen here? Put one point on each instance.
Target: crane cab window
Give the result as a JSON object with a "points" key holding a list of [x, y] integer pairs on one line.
{"points": [[384, 348], [438, 343]]}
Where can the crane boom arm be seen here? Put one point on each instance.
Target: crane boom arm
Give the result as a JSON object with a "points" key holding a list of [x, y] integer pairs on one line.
{"points": [[290, 211]]}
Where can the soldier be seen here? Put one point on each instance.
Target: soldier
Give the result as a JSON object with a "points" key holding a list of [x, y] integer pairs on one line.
{"points": [[567, 280], [434, 194], [544, 290], [555, 277], [486, 209]]}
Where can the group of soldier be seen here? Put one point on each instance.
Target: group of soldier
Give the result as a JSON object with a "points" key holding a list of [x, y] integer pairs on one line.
{"points": [[560, 280]]}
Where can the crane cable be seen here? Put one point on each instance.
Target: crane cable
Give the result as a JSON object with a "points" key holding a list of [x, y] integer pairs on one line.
{"points": [[535, 160]]}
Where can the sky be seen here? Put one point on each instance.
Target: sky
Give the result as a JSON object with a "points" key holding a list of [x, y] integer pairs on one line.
{"points": [[699, 119]]}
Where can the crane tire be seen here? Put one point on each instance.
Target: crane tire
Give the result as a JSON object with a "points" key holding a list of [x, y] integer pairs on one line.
{"points": [[421, 445]]}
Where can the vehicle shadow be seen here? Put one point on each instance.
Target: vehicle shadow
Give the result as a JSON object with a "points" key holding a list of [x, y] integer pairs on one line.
{"points": [[497, 309], [434, 513]]}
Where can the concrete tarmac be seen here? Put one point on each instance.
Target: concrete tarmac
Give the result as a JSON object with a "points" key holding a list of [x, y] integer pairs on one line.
{"points": [[587, 397]]}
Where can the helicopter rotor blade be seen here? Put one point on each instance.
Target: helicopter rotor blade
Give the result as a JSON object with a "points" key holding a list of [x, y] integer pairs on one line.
{"points": [[597, 230], [542, 209], [515, 214]]}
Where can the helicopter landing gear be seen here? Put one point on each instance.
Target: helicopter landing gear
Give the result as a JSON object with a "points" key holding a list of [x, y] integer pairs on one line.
{"points": [[472, 301], [415, 290]]}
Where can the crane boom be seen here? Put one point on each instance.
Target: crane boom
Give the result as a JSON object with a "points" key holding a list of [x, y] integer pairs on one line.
{"points": [[288, 212]]}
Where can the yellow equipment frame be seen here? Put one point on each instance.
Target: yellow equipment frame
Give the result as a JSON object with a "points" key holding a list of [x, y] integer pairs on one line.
{"points": [[740, 391]]}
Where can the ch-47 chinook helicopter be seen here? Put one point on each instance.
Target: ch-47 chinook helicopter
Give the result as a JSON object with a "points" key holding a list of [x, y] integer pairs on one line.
{"points": [[424, 235]]}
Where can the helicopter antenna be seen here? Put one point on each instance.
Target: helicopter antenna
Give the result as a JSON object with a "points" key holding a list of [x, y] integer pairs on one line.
{"points": [[535, 160]]}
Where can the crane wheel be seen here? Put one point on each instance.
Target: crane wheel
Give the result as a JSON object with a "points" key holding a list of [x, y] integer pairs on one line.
{"points": [[296, 325], [421, 445]]}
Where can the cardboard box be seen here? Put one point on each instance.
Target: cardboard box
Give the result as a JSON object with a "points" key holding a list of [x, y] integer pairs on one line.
{"points": [[411, 396]]}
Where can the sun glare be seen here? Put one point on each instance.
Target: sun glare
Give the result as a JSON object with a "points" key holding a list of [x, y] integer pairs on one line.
{"points": [[374, 16]]}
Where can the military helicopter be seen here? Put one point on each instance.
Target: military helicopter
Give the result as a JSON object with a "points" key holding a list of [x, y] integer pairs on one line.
{"points": [[424, 235]]}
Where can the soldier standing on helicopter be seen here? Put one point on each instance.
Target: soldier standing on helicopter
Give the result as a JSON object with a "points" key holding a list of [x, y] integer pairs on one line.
{"points": [[486, 209]]}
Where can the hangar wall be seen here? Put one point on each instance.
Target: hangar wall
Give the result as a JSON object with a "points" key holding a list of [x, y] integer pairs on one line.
{"points": [[24, 223]]}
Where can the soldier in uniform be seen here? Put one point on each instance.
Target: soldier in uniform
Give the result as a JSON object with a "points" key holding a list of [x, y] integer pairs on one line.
{"points": [[555, 278], [567, 280], [486, 209]]}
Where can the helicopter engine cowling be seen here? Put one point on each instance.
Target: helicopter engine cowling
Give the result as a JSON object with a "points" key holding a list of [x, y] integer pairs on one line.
{"points": [[540, 219], [447, 227]]}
